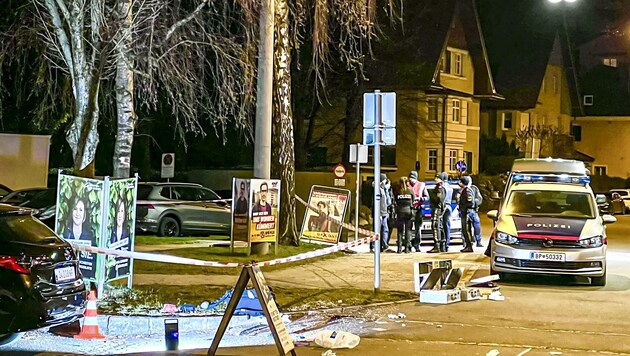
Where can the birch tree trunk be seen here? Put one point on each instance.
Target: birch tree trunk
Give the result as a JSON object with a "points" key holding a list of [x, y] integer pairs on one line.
{"points": [[283, 159], [78, 49], [124, 93]]}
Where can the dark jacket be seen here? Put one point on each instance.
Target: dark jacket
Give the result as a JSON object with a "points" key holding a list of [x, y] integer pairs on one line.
{"points": [[403, 199], [438, 198], [466, 200]]}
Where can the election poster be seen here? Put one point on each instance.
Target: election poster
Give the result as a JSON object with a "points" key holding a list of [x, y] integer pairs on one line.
{"points": [[240, 209], [321, 226], [79, 217], [264, 211], [120, 226]]}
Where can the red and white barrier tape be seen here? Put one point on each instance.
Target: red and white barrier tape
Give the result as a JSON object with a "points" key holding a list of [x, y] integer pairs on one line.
{"points": [[154, 257]]}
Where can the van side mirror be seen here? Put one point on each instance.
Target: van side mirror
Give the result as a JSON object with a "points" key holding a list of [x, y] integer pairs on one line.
{"points": [[608, 219], [600, 198], [496, 195], [493, 214]]}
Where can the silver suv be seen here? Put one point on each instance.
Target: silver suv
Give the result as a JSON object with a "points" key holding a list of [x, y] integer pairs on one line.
{"points": [[170, 209]]}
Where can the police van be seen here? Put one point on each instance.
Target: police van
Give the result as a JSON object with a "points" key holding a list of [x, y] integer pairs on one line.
{"points": [[548, 222]]}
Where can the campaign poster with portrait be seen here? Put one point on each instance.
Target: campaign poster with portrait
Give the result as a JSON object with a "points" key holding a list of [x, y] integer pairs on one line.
{"points": [[264, 210], [120, 233], [79, 216], [330, 202], [241, 199]]}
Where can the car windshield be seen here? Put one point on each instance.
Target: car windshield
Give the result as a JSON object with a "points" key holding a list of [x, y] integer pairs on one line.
{"points": [[20, 196], [550, 203], [44, 199], [23, 228]]}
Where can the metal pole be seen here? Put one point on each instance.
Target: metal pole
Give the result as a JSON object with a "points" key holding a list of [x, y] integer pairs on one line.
{"points": [[262, 140], [356, 218], [377, 189]]}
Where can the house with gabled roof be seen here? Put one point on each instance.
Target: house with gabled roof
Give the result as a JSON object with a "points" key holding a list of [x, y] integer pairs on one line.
{"points": [[604, 131], [436, 62], [538, 77]]}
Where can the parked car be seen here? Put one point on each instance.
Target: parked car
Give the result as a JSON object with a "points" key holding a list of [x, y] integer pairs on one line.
{"points": [[40, 281], [170, 209], [625, 196], [4, 190], [18, 197], [610, 203], [456, 224], [43, 203]]}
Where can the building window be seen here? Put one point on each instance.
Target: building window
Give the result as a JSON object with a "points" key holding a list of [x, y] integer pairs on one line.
{"points": [[600, 170], [445, 65], [506, 119], [433, 111], [458, 68], [457, 110], [576, 131], [433, 156], [452, 160], [610, 62], [465, 113], [468, 158], [588, 100]]}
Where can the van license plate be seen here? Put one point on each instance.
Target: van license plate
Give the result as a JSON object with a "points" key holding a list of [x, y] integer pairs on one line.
{"points": [[64, 274], [547, 256]]}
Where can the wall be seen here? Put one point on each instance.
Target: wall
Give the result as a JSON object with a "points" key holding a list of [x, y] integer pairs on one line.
{"points": [[24, 160], [605, 139]]}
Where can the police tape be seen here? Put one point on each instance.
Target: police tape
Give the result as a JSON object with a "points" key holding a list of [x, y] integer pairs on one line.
{"points": [[156, 257]]}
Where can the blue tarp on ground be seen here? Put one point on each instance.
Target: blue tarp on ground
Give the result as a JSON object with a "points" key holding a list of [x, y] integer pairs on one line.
{"points": [[249, 304]]}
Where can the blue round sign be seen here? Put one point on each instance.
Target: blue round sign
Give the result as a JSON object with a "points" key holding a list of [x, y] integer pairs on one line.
{"points": [[460, 166]]}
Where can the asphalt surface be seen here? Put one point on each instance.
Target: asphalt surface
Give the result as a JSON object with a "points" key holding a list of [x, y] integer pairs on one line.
{"points": [[539, 316]]}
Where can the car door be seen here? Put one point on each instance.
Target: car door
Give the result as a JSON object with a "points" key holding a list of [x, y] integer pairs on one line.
{"points": [[217, 212], [192, 212]]}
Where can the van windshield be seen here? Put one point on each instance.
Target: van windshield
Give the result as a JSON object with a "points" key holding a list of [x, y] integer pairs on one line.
{"points": [[550, 203]]}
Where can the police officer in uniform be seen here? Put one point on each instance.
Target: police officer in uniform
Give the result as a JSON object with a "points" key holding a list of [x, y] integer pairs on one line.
{"points": [[403, 203], [446, 216], [438, 207]]}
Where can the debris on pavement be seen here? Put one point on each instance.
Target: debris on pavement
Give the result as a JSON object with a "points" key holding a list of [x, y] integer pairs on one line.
{"points": [[524, 352], [336, 339], [493, 352], [397, 316], [329, 353]]}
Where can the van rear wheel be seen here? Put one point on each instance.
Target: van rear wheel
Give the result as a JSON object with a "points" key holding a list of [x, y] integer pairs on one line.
{"points": [[5, 339]]}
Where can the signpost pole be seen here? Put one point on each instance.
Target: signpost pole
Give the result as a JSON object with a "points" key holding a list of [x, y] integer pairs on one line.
{"points": [[358, 204], [377, 191]]}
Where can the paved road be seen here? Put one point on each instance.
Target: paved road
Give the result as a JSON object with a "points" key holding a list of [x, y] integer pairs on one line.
{"points": [[539, 316]]}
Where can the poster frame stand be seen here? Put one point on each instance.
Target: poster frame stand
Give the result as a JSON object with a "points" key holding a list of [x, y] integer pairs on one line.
{"points": [[281, 336]]}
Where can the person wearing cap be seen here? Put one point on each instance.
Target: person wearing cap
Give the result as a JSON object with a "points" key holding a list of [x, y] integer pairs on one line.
{"points": [[466, 206], [420, 196], [403, 198], [439, 205]]}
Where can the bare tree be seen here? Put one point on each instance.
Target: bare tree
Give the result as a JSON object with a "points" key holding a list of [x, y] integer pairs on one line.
{"points": [[543, 134]]}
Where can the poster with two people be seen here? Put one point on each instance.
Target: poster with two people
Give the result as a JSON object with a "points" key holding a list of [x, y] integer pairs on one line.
{"points": [[99, 213], [320, 225], [255, 210]]}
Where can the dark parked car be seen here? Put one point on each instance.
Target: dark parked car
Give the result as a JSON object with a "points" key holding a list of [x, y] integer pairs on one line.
{"points": [[42, 201], [169, 209], [40, 281], [4, 190]]}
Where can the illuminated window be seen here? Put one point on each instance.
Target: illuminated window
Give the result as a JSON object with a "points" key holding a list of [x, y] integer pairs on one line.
{"points": [[457, 110], [458, 68], [610, 62], [433, 156], [506, 119], [452, 160]]}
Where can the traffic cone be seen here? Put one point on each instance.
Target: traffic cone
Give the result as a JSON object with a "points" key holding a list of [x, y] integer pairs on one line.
{"points": [[90, 330]]}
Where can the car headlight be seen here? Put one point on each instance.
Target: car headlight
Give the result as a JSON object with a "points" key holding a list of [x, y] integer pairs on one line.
{"points": [[507, 239], [595, 241]]}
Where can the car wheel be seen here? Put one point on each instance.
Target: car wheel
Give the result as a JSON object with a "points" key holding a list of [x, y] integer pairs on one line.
{"points": [[8, 338], [599, 281], [168, 227]]}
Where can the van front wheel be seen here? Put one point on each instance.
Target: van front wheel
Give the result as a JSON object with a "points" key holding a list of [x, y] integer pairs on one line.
{"points": [[599, 281]]}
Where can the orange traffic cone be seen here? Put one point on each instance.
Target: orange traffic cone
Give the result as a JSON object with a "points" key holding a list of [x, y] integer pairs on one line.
{"points": [[89, 330]]}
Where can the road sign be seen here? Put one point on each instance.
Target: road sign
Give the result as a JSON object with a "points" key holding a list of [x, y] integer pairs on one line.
{"points": [[388, 136], [358, 153], [460, 166], [168, 165], [388, 109], [339, 171]]}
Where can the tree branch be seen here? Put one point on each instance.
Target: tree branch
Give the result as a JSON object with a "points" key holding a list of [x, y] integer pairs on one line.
{"points": [[185, 20]]}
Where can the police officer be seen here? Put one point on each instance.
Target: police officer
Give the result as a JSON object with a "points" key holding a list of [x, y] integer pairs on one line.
{"points": [[421, 196], [466, 205], [438, 207], [404, 197]]}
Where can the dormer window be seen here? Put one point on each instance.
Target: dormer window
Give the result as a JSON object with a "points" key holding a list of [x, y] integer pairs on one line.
{"points": [[610, 62], [452, 62], [588, 100]]}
